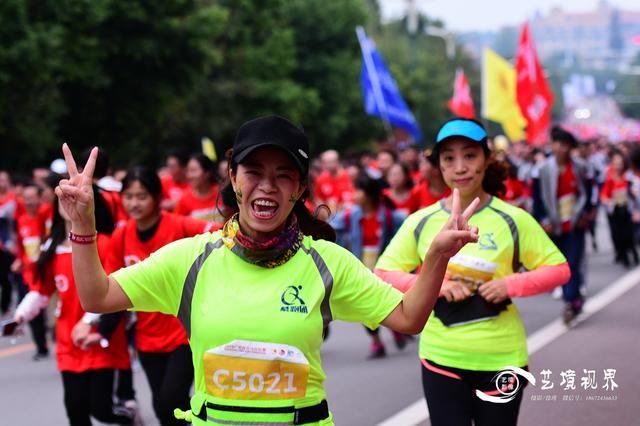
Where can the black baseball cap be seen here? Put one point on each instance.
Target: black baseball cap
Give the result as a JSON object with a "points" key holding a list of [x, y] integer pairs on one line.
{"points": [[275, 131]]}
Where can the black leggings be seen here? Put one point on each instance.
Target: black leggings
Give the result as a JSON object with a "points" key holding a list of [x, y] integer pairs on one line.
{"points": [[38, 324], [453, 402], [5, 283], [170, 375], [90, 393]]}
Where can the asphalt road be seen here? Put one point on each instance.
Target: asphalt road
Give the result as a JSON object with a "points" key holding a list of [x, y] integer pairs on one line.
{"points": [[365, 392]]}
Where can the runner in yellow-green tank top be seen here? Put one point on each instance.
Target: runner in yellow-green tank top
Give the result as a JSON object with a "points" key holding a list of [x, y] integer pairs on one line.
{"points": [[475, 331], [256, 296]]}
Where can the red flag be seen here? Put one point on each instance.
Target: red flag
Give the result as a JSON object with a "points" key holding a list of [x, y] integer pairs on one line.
{"points": [[533, 93], [461, 103]]}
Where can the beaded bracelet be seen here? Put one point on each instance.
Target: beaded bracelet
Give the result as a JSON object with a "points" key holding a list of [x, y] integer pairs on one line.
{"points": [[82, 239]]}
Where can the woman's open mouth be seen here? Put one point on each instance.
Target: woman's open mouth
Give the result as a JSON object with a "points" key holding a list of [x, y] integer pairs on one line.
{"points": [[263, 208]]}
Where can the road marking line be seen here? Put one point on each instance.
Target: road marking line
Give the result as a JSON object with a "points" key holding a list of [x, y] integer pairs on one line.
{"points": [[418, 412], [412, 415], [14, 350]]}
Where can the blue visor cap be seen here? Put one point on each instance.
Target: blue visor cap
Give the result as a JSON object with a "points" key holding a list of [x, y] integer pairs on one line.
{"points": [[462, 128]]}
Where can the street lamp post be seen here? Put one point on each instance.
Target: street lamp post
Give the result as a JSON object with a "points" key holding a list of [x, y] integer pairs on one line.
{"points": [[412, 29]]}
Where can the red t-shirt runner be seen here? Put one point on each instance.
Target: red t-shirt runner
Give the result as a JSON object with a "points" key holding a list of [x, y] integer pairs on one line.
{"points": [[172, 190], [408, 205], [371, 234], [336, 190], [31, 231], [515, 192], [567, 191], [155, 332], [45, 211], [615, 190], [11, 208], [424, 197], [203, 208], [69, 311]]}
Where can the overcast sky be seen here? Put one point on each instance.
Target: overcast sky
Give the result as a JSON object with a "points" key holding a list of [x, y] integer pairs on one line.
{"points": [[469, 15]]}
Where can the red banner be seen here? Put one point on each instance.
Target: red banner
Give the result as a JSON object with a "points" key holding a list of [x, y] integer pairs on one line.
{"points": [[461, 103], [533, 93]]}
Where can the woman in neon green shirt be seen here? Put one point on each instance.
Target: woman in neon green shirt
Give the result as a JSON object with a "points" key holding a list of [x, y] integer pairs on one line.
{"points": [[255, 297], [475, 332]]}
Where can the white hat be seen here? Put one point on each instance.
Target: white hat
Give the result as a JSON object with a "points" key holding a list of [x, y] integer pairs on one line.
{"points": [[58, 166]]}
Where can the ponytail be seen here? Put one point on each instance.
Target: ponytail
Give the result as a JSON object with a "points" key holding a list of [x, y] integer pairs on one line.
{"points": [[494, 177]]}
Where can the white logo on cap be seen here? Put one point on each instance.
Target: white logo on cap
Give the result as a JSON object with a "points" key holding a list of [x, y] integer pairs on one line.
{"points": [[304, 154]]}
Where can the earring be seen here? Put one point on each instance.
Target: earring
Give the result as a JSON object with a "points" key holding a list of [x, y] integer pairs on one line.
{"points": [[293, 199], [239, 196]]}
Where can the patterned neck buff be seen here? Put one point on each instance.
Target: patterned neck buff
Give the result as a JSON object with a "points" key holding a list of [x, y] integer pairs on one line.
{"points": [[268, 254]]}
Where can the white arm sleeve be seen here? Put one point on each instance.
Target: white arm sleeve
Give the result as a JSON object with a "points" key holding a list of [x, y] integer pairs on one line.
{"points": [[31, 305]]}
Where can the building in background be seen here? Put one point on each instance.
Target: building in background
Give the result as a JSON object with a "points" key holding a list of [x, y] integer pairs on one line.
{"points": [[606, 38]]}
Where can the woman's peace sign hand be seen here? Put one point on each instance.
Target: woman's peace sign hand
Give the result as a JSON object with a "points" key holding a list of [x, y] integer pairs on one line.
{"points": [[76, 193], [456, 232]]}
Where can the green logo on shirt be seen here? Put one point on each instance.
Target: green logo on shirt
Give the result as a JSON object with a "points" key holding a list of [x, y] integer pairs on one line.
{"points": [[486, 242], [291, 300]]}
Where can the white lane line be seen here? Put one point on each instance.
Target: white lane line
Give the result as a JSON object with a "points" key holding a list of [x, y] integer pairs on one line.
{"points": [[418, 412], [410, 416]]}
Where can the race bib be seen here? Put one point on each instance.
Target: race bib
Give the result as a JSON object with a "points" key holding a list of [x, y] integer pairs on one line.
{"points": [[567, 203], [32, 247], [620, 197], [370, 256], [470, 271], [256, 370]]}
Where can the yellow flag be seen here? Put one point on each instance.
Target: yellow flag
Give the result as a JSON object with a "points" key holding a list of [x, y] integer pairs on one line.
{"points": [[209, 149], [499, 95]]}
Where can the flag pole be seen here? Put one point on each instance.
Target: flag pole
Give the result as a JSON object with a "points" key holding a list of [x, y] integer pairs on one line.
{"points": [[373, 77]]}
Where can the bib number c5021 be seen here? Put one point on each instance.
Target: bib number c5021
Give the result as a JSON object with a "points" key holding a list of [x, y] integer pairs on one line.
{"points": [[255, 370], [256, 382]]}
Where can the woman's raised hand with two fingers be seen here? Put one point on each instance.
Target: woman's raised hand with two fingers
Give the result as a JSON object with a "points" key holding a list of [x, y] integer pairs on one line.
{"points": [[456, 232], [76, 193]]}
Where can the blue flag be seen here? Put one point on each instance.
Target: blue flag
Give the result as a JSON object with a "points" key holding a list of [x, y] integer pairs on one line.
{"points": [[380, 91]]}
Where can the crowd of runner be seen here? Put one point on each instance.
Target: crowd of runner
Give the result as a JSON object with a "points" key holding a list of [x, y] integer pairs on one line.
{"points": [[365, 196]]}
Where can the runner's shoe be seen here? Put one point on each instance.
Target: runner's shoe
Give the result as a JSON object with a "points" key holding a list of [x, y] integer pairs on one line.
{"points": [[377, 351], [40, 356], [572, 310], [400, 340], [129, 408]]}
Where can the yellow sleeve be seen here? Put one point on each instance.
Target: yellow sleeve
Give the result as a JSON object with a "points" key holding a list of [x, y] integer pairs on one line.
{"points": [[156, 283], [358, 295], [536, 248]]}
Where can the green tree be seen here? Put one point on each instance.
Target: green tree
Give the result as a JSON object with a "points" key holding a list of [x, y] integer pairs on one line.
{"points": [[297, 58], [150, 56], [104, 72], [254, 77], [30, 101]]}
